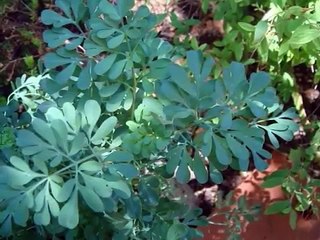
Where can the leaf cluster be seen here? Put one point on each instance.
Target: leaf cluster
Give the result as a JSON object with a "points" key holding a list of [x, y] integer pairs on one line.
{"points": [[299, 183]]}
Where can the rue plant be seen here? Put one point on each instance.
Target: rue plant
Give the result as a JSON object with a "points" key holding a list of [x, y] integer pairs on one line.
{"points": [[88, 146]]}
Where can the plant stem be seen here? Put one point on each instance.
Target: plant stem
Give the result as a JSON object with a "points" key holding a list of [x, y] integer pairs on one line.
{"points": [[75, 163]]}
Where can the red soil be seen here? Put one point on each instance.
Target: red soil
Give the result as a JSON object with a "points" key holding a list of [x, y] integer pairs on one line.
{"points": [[268, 227]]}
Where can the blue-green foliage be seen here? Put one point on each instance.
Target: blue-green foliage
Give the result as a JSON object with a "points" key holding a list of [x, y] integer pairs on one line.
{"points": [[115, 116]]}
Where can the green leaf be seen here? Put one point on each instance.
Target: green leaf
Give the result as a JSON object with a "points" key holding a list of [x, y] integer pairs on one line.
{"points": [[6, 227], [106, 33], [85, 77], [91, 166], [180, 77], [258, 82], [274, 141], [50, 86], [43, 217], [104, 65], [238, 49], [207, 68], [239, 150], [134, 207], [15, 177], [246, 26], [21, 214], [194, 62], [177, 231], [280, 3], [260, 31], [29, 61], [99, 185], [315, 182], [53, 206], [257, 108], [78, 9], [272, 182], [260, 164], [199, 169], [116, 41], [91, 198], [109, 9], [20, 164], [216, 176], [120, 156], [61, 133], [303, 35], [285, 135], [170, 92], [92, 49], [115, 101], [226, 119], [222, 154], [117, 69], [104, 130], [123, 7], [125, 169], [63, 76], [233, 76], [120, 187], [207, 143], [109, 90], [174, 157], [128, 100], [148, 193], [66, 190], [64, 6], [74, 43], [304, 201], [53, 60], [92, 111], [55, 188], [293, 217], [263, 50], [61, 36], [147, 107], [49, 17], [277, 207], [183, 173], [159, 68], [27, 138], [69, 214], [78, 143]]}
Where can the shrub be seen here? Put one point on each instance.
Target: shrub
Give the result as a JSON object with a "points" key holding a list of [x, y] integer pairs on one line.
{"points": [[300, 183], [93, 140]]}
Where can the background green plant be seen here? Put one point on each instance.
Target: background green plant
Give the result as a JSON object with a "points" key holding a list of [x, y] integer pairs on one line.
{"points": [[20, 35], [276, 35], [298, 182], [236, 217]]}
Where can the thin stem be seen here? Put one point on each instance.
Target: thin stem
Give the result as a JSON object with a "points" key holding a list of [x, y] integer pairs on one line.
{"points": [[94, 153], [133, 95], [218, 223], [75, 163], [134, 87]]}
